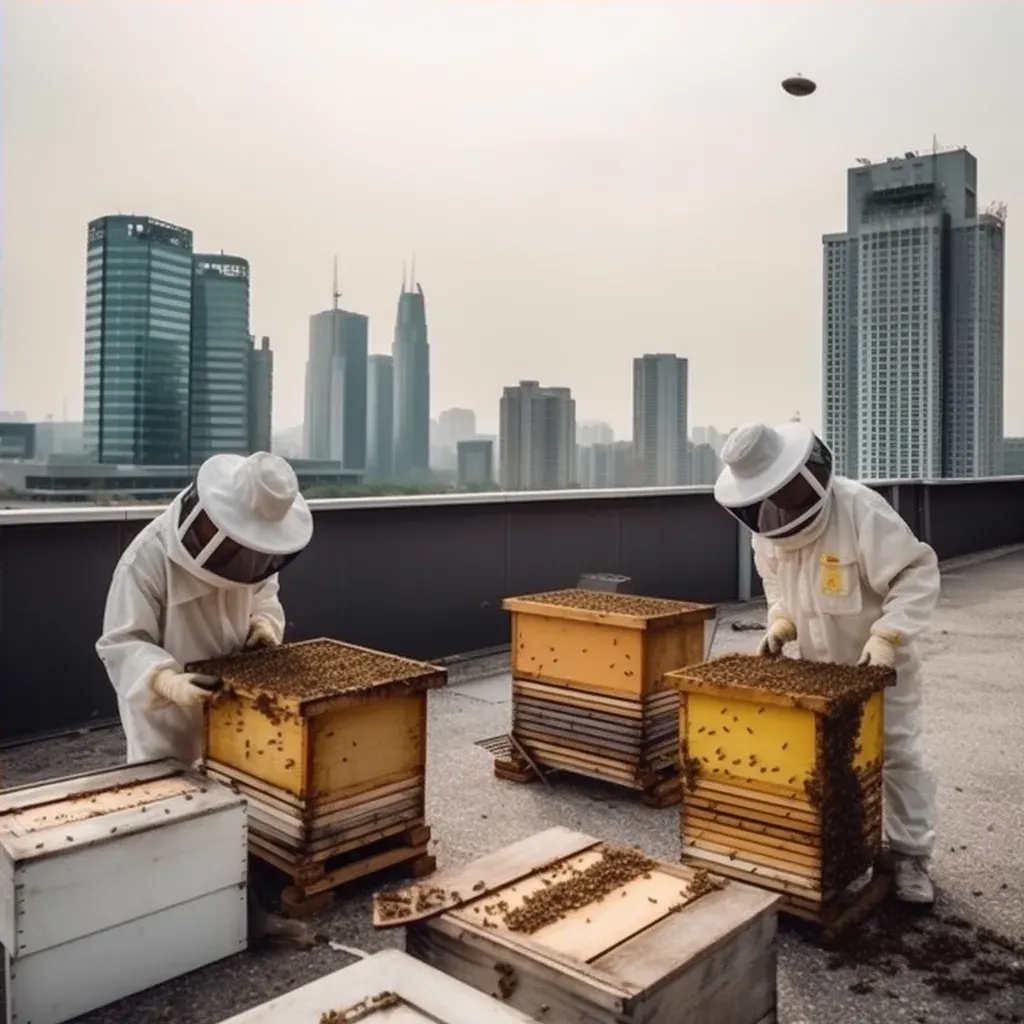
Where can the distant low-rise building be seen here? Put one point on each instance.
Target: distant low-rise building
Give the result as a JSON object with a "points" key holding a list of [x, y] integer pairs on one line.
{"points": [[17, 440], [475, 462], [706, 465], [1013, 456], [607, 465]]}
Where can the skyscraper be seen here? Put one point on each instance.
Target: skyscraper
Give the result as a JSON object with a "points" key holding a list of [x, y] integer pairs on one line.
{"points": [[138, 311], [380, 464], [220, 357], [335, 422], [537, 446], [660, 436], [261, 395], [411, 353], [913, 322]]}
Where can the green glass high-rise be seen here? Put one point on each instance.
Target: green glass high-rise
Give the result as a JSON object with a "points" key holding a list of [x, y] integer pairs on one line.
{"points": [[138, 309], [220, 357]]}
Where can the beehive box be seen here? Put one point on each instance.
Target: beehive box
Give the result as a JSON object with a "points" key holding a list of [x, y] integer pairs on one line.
{"points": [[783, 774], [566, 929], [116, 881], [589, 694], [329, 743], [389, 987]]}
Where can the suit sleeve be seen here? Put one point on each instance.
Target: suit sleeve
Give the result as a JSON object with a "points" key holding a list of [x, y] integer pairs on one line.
{"points": [[130, 645], [901, 569], [266, 605], [767, 564]]}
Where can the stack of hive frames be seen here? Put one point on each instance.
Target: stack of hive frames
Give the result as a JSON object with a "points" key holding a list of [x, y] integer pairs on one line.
{"points": [[588, 692], [782, 761], [328, 743]]}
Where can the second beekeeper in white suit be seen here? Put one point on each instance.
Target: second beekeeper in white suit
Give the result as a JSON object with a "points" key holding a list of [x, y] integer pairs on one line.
{"points": [[847, 580], [200, 581]]}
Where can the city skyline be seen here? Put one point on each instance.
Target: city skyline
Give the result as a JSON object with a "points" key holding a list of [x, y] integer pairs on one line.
{"points": [[609, 238]]}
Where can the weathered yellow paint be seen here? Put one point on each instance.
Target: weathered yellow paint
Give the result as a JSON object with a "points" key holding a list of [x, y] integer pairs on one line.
{"points": [[599, 656], [242, 737], [583, 654], [871, 738], [722, 731], [358, 749], [671, 648]]}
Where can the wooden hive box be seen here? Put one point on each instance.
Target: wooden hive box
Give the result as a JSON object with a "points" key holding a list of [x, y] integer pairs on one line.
{"points": [[588, 692], [783, 774], [567, 929], [329, 743], [115, 881], [389, 987]]}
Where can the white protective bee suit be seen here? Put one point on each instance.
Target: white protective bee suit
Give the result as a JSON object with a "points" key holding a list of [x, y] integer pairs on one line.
{"points": [[181, 594], [845, 577]]}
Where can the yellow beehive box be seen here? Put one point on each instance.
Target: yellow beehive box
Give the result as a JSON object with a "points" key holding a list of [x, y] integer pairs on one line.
{"points": [[614, 643], [782, 765], [329, 743]]}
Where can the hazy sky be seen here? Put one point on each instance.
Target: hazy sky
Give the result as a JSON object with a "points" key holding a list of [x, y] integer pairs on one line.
{"points": [[581, 182]]}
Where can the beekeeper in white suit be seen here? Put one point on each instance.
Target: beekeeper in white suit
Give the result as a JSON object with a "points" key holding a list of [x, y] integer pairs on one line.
{"points": [[200, 581], [847, 580]]}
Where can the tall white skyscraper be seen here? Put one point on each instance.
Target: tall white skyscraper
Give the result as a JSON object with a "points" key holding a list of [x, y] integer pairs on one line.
{"points": [[660, 437], [913, 322], [537, 443]]}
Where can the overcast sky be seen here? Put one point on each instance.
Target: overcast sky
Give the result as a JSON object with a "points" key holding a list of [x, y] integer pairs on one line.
{"points": [[581, 182]]}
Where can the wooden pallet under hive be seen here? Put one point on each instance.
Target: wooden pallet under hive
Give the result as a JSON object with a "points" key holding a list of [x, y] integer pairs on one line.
{"points": [[783, 776], [566, 929], [328, 743], [588, 692]]}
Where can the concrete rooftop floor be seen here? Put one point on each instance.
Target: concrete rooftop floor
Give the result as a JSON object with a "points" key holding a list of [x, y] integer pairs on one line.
{"points": [[974, 674]]}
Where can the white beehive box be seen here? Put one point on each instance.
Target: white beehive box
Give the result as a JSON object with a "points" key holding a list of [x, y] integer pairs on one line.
{"points": [[115, 881], [389, 987]]}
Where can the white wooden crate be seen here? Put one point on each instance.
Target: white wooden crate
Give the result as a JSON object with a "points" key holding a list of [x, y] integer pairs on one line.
{"points": [[389, 987], [115, 881]]}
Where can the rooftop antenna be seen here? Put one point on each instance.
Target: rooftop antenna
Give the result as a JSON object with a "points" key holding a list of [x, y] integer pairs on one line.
{"points": [[403, 276], [412, 282], [335, 294]]}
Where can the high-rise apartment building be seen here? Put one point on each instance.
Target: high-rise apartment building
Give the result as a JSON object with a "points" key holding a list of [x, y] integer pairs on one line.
{"points": [[455, 425], [336, 388], [660, 437], [138, 326], [261, 395], [219, 358], [605, 465], [380, 464], [537, 446], [591, 432], [411, 354], [913, 322]]}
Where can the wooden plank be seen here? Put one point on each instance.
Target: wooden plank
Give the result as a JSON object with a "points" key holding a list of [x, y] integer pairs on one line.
{"points": [[654, 958], [700, 817], [753, 801], [750, 853], [571, 723], [288, 860], [595, 760], [433, 996], [70, 786], [788, 799], [564, 760], [559, 693], [531, 735], [756, 874], [484, 875], [750, 694], [580, 718], [806, 852]]}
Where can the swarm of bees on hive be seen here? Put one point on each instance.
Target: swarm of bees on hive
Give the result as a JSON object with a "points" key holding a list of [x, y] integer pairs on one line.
{"points": [[309, 670], [601, 601]]}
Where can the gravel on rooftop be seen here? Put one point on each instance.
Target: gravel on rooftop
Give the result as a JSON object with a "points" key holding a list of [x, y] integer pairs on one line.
{"points": [[975, 717]]}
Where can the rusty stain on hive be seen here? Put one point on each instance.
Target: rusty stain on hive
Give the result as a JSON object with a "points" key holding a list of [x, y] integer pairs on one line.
{"points": [[619, 604], [315, 669], [792, 676]]}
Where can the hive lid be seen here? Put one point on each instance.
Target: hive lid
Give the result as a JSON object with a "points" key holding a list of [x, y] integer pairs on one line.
{"points": [[314, 675], [63, 815], [627, 610], [791, 682]]}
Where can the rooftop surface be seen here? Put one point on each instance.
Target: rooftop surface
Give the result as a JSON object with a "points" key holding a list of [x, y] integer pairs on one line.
{"points": [[974, 678]]}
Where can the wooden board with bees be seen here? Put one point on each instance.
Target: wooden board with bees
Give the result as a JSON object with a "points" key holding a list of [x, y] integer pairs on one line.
{"points": [[328, 743], [782, 776], [564, 928], [588, 690]]}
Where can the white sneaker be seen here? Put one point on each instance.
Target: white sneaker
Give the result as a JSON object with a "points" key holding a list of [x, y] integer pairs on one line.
{"points": [[910, 876]]}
